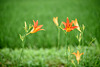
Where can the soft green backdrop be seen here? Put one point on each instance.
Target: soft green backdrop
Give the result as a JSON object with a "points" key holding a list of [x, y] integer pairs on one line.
{"points": [[14, 13]]}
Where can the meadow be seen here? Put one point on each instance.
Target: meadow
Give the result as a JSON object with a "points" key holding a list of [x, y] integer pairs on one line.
{"points": [[41, 48]]}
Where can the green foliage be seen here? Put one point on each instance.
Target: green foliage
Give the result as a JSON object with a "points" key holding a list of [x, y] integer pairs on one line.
{"points": [[50, 57], [14, 13]]}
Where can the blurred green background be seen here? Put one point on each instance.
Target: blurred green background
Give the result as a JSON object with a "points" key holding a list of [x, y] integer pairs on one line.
{"points": [[13, 14]]}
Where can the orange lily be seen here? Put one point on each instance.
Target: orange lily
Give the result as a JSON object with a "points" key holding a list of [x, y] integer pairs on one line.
{"points": [[55, 20], [76, 24], [77, 55], [36, 27], [68, 26]]}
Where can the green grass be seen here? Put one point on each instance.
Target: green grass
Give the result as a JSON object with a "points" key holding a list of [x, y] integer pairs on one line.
{"points": [[13, 14], [50, 57]]}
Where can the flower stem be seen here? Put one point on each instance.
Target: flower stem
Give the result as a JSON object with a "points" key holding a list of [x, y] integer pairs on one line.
{"points": [[82, 37], [58, 37], [21, 51], [79, 44], [66, 46], [27, 34], [66, 39], [92, 41]]}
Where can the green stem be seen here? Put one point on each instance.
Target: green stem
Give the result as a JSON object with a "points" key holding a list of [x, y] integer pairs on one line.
{"points": [[21, 51], [66, 45], [92, 41], [27, 34], [58, 37], [79, 44], [66, 39], [82, 38]]}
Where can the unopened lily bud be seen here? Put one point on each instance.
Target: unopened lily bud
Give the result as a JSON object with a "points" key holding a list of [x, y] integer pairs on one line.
{"points": [[30, 26], [77, 36], [21, 37], [68, 49], [61, 26], [73, 62], [25, 27], [83, 27], [80, 37]]}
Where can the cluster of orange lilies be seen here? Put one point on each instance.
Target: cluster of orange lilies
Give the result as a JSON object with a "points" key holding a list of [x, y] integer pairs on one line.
{"points": [[68, 28]]}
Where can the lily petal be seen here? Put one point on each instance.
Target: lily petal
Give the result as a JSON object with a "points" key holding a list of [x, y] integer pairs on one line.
{"points": [[38, 27], [74, 54], [76, 24], [74, 27], [64, 24], [67, 20], [35, 23], [41, 29], [77, 52], [81, 54], [71, 23], [64, 29]]}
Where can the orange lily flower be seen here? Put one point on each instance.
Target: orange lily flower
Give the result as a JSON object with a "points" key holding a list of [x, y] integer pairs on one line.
{"points": [[36, 27], [68, 26], [76, 24], [55, 20], [77, 55]]}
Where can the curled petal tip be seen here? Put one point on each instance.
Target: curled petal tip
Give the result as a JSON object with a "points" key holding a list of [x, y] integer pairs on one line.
{"points": [[75, 19], [42, 29], [33, 21]]}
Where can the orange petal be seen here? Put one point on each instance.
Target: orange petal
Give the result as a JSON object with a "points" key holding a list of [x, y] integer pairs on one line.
{"points": [[38, 28], [35, 24], [68, 30], [74, 54], [77, 52], [81, 54], [64, 24], [41, 29], [67, 22], [71, 23], [74, 27], [64, 29], [76, 24]]}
